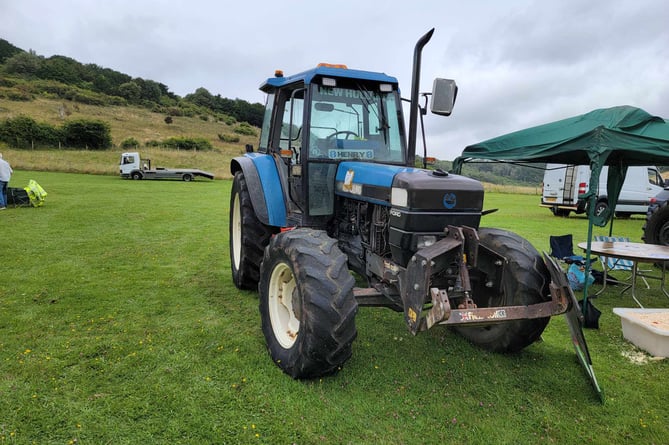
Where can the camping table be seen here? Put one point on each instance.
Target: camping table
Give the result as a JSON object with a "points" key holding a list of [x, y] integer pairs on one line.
{"points": [[635, 252]]}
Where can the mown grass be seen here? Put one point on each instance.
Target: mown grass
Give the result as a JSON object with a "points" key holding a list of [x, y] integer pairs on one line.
{"points": [[119, 323]]}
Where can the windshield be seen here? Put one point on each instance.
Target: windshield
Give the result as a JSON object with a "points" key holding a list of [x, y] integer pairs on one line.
{"points": [[355, 123]]}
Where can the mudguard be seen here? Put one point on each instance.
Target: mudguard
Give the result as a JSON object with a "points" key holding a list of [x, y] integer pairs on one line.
{"points": [[574, 317], [264, 184]]}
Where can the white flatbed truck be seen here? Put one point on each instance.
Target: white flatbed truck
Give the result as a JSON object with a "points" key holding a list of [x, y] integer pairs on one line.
{"points": [[132, 167]]}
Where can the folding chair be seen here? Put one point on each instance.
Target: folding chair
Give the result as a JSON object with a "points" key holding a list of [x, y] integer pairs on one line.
{"points": [[562, 248], [17, 197], [610, 264]]}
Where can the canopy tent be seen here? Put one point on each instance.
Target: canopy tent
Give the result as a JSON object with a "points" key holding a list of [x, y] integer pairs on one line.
{"points": [[618, 137]]}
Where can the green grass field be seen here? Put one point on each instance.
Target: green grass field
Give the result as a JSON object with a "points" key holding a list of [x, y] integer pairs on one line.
{"points": [[119, 324]]}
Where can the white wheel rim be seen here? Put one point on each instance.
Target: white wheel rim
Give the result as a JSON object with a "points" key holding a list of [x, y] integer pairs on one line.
{"points": [[236, 232], [280, 302]]}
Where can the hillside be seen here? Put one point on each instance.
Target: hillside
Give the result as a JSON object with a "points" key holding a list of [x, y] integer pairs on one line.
{"points": [[125, 122]]}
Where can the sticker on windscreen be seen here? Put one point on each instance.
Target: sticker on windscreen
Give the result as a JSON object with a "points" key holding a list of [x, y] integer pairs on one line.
{"points": [[350, 154]]}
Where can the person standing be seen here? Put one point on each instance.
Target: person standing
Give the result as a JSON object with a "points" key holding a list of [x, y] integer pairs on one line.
{"points": [[5, 175]]}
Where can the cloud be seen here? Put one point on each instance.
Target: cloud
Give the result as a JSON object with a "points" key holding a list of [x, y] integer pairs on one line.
{"points": [[517, 64]]}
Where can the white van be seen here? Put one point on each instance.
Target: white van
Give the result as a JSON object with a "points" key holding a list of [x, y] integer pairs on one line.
{"points": [[564, 183]]}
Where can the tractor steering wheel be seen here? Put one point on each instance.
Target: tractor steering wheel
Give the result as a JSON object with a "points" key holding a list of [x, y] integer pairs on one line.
{"points": [[346, 132]]}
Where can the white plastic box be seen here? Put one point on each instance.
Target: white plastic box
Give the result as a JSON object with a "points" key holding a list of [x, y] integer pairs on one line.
{"points": [[648, 329]]}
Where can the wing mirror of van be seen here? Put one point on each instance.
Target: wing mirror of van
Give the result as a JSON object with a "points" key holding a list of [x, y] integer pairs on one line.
{"points": [[444, 92]]}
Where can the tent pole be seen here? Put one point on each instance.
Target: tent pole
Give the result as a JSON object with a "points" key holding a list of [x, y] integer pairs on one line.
{"points": [[595, 171], [588, 254]]}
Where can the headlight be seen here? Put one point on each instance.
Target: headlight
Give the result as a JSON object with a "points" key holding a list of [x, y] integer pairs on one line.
{"points": [[425, 241], [399, 197]]}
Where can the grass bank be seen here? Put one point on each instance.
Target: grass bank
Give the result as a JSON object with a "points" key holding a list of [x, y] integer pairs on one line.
{"points": [[125, 122], [119, 323]]}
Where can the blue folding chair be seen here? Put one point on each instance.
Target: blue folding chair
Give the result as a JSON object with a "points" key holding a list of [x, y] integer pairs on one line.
{"points": [[562, 248]]}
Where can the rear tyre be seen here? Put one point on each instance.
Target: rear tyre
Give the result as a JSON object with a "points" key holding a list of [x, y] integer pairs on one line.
{"points": [[525, 282], [601, 207], [656, 229], [187, 177], [248, 236], [307, 306], [563, 213]]}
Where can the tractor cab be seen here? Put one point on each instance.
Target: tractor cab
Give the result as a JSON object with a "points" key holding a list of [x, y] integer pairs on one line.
{"points": [[320, 117]]}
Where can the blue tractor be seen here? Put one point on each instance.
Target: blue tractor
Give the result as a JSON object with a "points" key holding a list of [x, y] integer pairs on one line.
{"points": [[330, 214]]}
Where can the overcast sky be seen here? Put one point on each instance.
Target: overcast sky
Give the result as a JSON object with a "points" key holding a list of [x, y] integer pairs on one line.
{"points": [[517, 63]]}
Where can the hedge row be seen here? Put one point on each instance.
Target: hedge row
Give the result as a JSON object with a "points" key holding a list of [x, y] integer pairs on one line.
{"points": [[25, 132]]}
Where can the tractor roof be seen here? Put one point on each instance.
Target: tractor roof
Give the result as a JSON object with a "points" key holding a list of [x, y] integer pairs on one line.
{"points": [[325, 71]]}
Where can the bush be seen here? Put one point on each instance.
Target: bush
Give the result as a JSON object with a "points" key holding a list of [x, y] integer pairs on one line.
{"points": [[15, 94], [183, 143], [89, 98], [116, 100], [245, 129], [7, 82], [90, 134], [130, 143], [25, 132], [228, 120], [58, 89], [175, 111], [228, 138]]}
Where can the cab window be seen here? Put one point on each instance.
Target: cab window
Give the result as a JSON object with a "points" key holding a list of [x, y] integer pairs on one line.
{"points": [[355, 123]]}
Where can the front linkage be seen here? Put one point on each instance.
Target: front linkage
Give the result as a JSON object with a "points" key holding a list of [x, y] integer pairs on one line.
{"points": [[460, 246]]}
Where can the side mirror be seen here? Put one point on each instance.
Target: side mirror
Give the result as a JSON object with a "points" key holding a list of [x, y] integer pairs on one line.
{"points": [[444, 92]]}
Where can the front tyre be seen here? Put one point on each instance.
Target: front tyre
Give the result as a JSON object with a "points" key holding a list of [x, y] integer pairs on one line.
{"points": [[248, 236], [525, 282], [307, 306]]}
